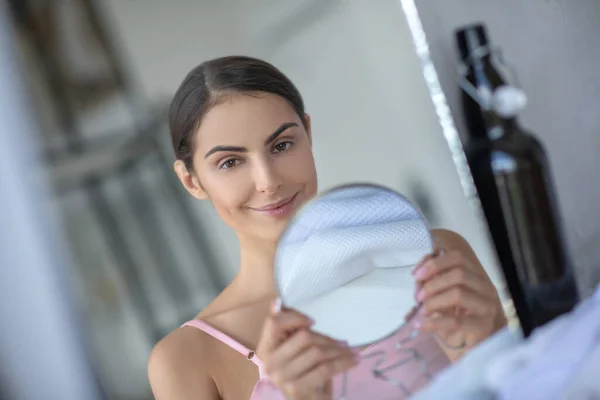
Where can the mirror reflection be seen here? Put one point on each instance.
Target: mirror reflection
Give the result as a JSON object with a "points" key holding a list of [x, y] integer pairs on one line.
{"points": [[346, 260], [177, 166]]}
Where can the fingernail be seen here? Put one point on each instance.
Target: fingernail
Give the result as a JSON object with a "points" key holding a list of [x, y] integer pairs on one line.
{"points": [[420, 295], [439, 250], [420, 274], [417, 324], [419, 265], [276, 306]]}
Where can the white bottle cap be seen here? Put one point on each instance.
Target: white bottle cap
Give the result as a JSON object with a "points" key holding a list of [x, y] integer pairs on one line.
{"points": [[508, 101]]}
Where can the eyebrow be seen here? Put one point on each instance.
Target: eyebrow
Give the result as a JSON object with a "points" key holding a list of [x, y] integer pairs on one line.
{"points": [[272, 137]]}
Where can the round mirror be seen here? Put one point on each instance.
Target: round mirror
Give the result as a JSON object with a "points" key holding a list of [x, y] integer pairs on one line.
{"points": [[345, 261]]}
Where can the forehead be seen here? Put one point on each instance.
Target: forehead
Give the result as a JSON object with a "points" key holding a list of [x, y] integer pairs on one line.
{"points": [[243, 119]]}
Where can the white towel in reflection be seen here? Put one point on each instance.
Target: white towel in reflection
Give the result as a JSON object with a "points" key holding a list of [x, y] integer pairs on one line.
{"points": [[332, 258], [349, 207], [346, 262], [345, 235]]}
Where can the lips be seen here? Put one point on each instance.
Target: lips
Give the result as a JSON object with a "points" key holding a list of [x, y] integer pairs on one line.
{"points": [[279, 204]]}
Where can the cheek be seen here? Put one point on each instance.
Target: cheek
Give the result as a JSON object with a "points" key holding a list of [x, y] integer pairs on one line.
{"points": [[303, 170], [227, 193]]}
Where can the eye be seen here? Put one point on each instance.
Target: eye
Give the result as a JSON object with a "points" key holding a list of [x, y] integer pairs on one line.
{"points": [[228, 164], [282, 146]]}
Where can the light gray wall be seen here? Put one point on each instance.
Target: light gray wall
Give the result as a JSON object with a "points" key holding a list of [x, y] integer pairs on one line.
{"points": [[554, 47], [43, 354]]}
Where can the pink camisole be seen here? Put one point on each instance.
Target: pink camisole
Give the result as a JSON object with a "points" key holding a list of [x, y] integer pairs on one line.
{"points": [[394, 368]]}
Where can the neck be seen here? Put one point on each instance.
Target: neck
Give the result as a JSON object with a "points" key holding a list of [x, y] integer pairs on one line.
{"points": [[255, 279]]}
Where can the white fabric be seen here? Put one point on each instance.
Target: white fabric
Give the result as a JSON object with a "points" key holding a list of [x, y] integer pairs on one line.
{"points": [[346, 259], [586, 384], [464, 380], [542, 366], [561, 360]]}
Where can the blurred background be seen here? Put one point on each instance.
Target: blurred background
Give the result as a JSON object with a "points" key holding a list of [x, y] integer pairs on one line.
{"points": [[143, 255], [98, 78]]}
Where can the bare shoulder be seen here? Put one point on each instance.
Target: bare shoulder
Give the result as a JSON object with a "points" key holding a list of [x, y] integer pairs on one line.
{"points": [[449, 237], [179, 367], [453, 241]]}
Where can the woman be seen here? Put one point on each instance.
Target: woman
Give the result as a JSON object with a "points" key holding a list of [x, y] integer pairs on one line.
{"points": [[242, 140]]}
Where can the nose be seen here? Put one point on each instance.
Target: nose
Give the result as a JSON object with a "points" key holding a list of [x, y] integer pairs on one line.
{"points": [[267, 178]]}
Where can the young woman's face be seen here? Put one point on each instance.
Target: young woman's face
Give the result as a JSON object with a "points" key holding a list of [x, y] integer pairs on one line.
{"points": [[254, 161]]}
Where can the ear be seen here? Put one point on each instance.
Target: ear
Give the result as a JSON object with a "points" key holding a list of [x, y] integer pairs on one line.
{"points": [[308, 128], [189, 181]]}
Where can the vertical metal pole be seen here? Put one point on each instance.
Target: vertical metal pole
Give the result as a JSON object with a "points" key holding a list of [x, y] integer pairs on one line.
{"points": [[42, 348]]}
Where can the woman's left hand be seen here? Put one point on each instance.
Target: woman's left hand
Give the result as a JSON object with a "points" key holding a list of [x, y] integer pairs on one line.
{"points": [[459, 302]]}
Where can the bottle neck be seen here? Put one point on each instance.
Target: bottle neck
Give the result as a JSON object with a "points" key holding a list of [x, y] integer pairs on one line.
{"points": [[483, 61], [470, 40], [510, 123], [494, 126], [482, 71], [506, 128]]}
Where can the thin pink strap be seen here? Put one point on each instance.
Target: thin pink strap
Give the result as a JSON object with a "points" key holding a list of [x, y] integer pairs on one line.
{"points": [[228, 340]]}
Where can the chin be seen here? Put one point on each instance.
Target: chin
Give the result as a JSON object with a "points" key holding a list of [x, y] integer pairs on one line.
{"points": [[272, 234], [271, 229]]}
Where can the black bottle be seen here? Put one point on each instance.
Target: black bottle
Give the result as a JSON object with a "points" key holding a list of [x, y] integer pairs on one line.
{"points": [[511, 173]]}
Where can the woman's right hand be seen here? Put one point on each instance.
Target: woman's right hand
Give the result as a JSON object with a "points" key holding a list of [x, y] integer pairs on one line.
{"points": [[300, 362]]}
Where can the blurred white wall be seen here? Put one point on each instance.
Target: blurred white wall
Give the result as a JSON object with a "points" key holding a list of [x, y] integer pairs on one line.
{"points": [[42, 352]]}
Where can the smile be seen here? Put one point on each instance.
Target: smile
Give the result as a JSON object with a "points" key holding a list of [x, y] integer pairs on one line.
{"points": [[278, 209]]}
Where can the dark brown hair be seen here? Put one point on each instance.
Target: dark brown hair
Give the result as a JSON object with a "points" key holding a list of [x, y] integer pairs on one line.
{"points": [[211, 83]]}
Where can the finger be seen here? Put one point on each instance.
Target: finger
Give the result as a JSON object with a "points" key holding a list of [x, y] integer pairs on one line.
{"points": [[437, 265], [439, 247], [278, 327], [448, 325], [312, 357], [460, 297], [324, 371], [442, 323], [423, 261], [276, 306], [301, 341], [451, 278]]}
